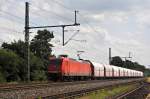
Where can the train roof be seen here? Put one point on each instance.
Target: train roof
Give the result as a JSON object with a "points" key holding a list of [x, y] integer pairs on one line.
{"points": [[114, 67], [97, 64]]}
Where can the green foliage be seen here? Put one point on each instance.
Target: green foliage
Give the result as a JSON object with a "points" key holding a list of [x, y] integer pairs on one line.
{"points": [[13, 65], [128, 64], [9, 65], [19, 49], [36, 64], [2, 77], [147, 72], [37, 75], [37, 68], [117, 61], [40, 45], [17, 46]]}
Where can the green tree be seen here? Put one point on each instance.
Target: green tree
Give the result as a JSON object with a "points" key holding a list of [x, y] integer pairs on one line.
{"points": [[139, 67], [37, 68], [39, 56], [9, 65], [128, 64], [36, 64], [41, 47], [117, 61], [17, 46], [2, 77], [147, 72]]}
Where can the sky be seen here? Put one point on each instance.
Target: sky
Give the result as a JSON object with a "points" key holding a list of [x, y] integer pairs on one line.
{"points": [[122, 25]]}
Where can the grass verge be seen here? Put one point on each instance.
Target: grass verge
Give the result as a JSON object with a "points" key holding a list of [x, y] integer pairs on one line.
{"points": [[108, 92], [148, 79]]}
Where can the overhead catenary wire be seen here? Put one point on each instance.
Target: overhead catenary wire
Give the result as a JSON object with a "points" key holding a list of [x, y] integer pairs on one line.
{"points": [[71, 37], [62, 5], [10, 14], [52, 13], [17, 5], [19, 19], [79, 14], [42, 17], [87, 22], [11, 30]]}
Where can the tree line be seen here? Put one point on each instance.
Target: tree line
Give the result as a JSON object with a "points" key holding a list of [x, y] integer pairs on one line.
{"points": [[117, 61], [13, 58]]}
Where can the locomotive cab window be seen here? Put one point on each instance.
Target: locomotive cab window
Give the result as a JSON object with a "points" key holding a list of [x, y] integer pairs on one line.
{"points": [[55, 62]]}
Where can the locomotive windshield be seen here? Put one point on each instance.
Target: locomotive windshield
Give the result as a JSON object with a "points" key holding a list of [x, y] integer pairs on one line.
{"points": [[55, 62]]}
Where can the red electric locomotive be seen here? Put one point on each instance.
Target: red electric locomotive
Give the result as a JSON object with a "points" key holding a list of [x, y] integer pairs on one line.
{"points": [[69, 69]]}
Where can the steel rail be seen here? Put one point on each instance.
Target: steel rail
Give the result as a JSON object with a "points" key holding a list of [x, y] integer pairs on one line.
{"points": [[49, 84], [127, 93], [75, 94]]}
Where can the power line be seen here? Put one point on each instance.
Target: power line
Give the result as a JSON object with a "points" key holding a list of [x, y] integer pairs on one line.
{"points": [[12, 15], [37, 14], [17, 21], [21, 20], [17, 17], [62, 5], [90, 26], [56, 14], [12, 30], [71, 38]]}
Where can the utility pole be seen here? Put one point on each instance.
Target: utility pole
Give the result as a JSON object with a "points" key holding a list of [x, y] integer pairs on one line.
{"points": [[127, 57], [27, 28], [63, 28], [129, 54], [109, 56], [27, 38], [63, 35], [75, 17]]}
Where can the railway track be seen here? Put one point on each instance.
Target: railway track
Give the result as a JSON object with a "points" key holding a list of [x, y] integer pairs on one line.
{"points": [[138, 93], [9, 87], [75, 94], [56, 89]]}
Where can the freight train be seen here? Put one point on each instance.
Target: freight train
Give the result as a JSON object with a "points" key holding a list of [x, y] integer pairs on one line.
{"points": [[69, 69]]}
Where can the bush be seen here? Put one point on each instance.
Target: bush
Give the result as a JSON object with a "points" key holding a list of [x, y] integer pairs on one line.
{"points": [[37, 68], [9, 65]]}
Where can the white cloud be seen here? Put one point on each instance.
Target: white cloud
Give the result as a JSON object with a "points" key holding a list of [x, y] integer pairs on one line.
{"points": [[98, 17]]}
